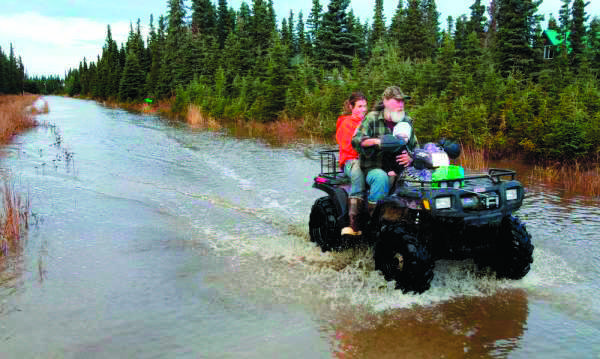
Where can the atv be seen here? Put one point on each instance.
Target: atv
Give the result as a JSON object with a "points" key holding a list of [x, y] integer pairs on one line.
{"points": [[432, 212]]}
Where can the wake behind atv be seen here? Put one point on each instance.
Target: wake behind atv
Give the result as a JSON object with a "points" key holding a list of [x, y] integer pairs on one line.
{"points": [[421, 221]]}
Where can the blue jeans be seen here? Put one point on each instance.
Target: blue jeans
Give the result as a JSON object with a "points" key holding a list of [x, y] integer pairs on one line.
{"points": [[379, 182], [357, 179]]}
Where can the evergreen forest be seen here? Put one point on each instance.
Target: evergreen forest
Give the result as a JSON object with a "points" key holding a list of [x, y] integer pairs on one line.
{"points": [[491, 79]]}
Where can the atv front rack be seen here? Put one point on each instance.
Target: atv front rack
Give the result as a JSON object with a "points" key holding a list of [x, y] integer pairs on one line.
{"points": [[495, 175]]}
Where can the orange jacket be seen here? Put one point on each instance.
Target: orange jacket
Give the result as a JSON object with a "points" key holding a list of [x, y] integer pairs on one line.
{"points": [[345, 128]]}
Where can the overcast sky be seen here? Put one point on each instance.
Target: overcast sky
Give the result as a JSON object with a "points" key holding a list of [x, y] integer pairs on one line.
{"points": [[52, 36]]}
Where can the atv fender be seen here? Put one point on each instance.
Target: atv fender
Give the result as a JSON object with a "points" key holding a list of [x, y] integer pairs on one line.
{"points": [[338, 196]]}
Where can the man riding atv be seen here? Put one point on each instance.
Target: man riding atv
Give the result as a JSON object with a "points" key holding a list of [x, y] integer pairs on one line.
{"points": [[431, 211]]}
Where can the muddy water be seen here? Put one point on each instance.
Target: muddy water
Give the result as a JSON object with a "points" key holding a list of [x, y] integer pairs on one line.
{"points": [[151, 240]]}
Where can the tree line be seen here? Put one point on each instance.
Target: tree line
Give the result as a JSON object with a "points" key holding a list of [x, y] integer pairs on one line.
{"points": [[12, 73], [482, 80]]}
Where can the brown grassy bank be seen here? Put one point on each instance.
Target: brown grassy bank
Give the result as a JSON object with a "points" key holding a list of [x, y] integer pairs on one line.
{"points": [[280, 132], [16, 115]]}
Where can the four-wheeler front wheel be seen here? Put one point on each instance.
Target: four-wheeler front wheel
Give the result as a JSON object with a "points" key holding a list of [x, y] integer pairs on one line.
{"points": [[515, 250], [401, 257]]}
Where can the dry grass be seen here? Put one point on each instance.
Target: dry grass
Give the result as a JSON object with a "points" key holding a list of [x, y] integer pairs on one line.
{"points": [[196, 119], [473, 159], [16, 115], [280, 132], [13, 219], [572, 178]]}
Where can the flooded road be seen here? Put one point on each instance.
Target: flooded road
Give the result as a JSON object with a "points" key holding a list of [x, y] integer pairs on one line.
{"points": [[152, 240]]}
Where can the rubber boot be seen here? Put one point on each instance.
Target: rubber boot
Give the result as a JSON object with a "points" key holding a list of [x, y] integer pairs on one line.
{"points": [[355, 205], [371, 208]]}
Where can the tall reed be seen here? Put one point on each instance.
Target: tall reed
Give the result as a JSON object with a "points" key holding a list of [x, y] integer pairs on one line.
{"points": [[473, 159], [13, 218], [573, 178], [16, 115]]}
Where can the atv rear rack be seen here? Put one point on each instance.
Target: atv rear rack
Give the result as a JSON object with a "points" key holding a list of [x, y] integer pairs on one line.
{"points": [[331, 172], [329, 165]]}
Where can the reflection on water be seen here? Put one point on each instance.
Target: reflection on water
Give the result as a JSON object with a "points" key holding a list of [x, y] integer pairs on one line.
{"points": [[468, 326]]}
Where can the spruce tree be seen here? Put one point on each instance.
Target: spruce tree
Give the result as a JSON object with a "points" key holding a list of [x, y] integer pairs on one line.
{"points": [[285, 34], [414, 41], [132, 79], [141, 48], [261, 31], [301, 36], [175, 56], [83, 69], [361, 34], [276, 81], [109, 68], [378, 28], [564, 16], [314, 21], [204, 14], [293, 44], [12, 71], [461, 33], [578, 32], [3, 73], [239, 54], [156, 46], [516, 21], [234, 59], [449, 27], [445, 61], [471, 54], [477, 21], [271, 15], [594, 43], [336, 45], [224, 23], [398, 21], [150, 40], [431, 27]]}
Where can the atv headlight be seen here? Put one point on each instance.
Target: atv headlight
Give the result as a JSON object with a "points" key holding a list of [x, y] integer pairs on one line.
{"points": [[443, 202], [511, 194]]}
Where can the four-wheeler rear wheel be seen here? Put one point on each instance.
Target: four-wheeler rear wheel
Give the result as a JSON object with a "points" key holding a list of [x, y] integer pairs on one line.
{"points": [[400, 256], [322, 224]]}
